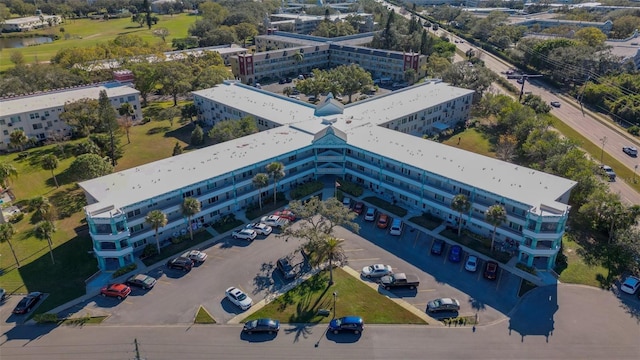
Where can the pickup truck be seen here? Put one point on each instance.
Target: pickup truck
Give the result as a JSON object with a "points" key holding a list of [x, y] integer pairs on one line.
{"points": [[274, 221], [400, 280]]}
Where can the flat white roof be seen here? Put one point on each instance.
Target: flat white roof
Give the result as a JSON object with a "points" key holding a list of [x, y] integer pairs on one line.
{"points": [[29, 19], [512, 181], [163, 176], [52, 99]]}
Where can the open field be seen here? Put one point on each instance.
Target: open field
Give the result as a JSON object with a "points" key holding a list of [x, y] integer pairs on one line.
{"points": [[86, 32], [301, 304], [472, 140], [577, 270]]}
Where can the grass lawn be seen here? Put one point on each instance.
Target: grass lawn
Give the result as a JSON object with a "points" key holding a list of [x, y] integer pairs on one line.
{"points": [[301, 304], [577, 271], [65, 280], [472, 140], [203, 317], [88, 320], [86, 32]]}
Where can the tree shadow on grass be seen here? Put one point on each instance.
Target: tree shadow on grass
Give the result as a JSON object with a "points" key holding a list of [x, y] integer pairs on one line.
{"points": [[68, 201], [158, 129]]}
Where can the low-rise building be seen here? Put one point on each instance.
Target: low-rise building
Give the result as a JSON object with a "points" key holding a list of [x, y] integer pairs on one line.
{"points": [[38, 114], [30, 23], [368, 144]]}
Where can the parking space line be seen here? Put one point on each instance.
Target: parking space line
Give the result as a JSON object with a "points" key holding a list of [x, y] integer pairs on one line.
{"points": [[499, 279], [369, 259], [426, 290], [479, 273], [352, 250]]}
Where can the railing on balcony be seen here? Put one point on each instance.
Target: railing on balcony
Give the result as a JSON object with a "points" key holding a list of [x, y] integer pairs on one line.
{"points": [[330, 158], [329, 171]]}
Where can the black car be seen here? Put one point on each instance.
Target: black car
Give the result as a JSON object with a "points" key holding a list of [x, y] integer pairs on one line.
{"points": [[351, 323], [262, 325], [437, 247], [286, 268], [182, 263], [141, 281], [27, 303], [282, 81]]}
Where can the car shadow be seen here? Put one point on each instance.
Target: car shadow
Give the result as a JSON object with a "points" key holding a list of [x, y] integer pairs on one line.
{"points": [[343, 337], [257, 337], [398, 293], [231, 242], [230, 307], [136, 291], [175, 273], [443, 315], [106, 302]]}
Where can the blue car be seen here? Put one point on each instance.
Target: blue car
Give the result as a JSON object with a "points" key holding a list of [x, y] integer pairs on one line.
{"points": [[455, 254], [354, 324]]}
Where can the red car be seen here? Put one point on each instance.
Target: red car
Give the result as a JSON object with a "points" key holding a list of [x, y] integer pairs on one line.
{"points": [[358, 208], [491, 270], [119, 291], [286, 214]]}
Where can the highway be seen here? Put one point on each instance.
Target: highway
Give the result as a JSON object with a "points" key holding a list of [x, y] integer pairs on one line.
{"points": [[569, 112]]}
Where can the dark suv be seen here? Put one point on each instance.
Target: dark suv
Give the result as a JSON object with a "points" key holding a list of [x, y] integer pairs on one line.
{"points": [[286, 268], [437, 247], [354, 324], [182, 263]]}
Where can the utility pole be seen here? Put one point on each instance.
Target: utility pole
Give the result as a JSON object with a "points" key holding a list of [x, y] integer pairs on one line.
{"points": [[635, 168], [135, 343], [582, 94], [603, 141], [524, 79]]}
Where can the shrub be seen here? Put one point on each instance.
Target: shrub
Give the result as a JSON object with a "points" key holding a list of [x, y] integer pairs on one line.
{"points": [[634, 130], [123, 270], [16, 218], [307, 189], [46, 318], [350, 188], [149, 250], [529, 269]]}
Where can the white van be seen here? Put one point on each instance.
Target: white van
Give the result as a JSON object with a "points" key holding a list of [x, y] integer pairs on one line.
{"points": [[396, 227]]}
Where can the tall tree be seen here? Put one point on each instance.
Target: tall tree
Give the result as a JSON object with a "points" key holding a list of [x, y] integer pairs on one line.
{"points": [[44, 230], [18, 139], [276, 172], [495, 215], [312, 227], [81, 115], [7, 172], [42, 208], [157, 219], [177, 149], [146, 79], [126, 112], [351, 79], [6, 233], [462, 205], [147, 10], [329, 249], [259, 182], [175, 79], [89, 166], [50, 162], [190, 207], [108, 120]]}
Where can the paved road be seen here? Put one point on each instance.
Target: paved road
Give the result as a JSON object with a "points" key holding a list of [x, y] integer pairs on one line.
{"points": [[551, 323]]}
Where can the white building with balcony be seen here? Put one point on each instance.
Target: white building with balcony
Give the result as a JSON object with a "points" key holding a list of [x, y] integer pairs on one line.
{"points": [[38, 114], [371, 143]]}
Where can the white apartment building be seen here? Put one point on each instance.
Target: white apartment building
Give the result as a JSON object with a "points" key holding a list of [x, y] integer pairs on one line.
{"points": [[38, 114]]}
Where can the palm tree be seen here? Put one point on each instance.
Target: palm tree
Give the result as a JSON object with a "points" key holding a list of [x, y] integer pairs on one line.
{"points": [[275, 171], [332, 251], [461, 204], [18, 139], [50, 162], [259, 182], [6, 233], [190, 207], [495, 215], [126, 110], [7, 171], [44, 231], [42, 208], [298, 57], [156, 219]]}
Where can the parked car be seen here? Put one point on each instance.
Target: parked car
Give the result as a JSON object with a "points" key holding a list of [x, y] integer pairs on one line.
{"points": [[608, 171], [346, 201], [400, 280], [520, 81], [630, 285], [182, 263], [555, 104], [196, 255], [370, 214], [285, 267], [245, 234], [238, 298], [383, 221], [142, 281], [376, 271], [28, 302], [286, 214], [455, 254], [630, 150], [119, 291], [274, 221], [396, 227], [472, 263], [358, 208], [3, 295], [491, 270], [443, 304], [260, 228], [352, 323], [437, 247], [269, 326]]}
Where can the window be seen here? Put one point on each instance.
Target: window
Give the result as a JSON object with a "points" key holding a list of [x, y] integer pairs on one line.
{"points": [[104, 229], [104, 245], [133, 213], [37, 126], [2, 122], [46, 113]]}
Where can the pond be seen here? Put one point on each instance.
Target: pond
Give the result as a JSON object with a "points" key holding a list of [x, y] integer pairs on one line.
{"points": [[16, 42]]}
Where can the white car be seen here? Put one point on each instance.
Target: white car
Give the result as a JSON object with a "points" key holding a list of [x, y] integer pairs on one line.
{"points": [[261, 229], [471, 264], [376, 271], [346, 201], [630, 285], [239, 298], [274, 221], [195, 255], [245, 234], [370, 215]]}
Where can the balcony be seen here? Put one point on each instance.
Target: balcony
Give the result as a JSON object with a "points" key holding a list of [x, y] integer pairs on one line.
{"points": [[111, 237], [113, 253], [330, 158], [323, 171], [542, 251]]}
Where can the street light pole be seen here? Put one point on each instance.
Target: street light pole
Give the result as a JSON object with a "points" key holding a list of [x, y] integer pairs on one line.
{"points": [[603, 141], [335, 296]]}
